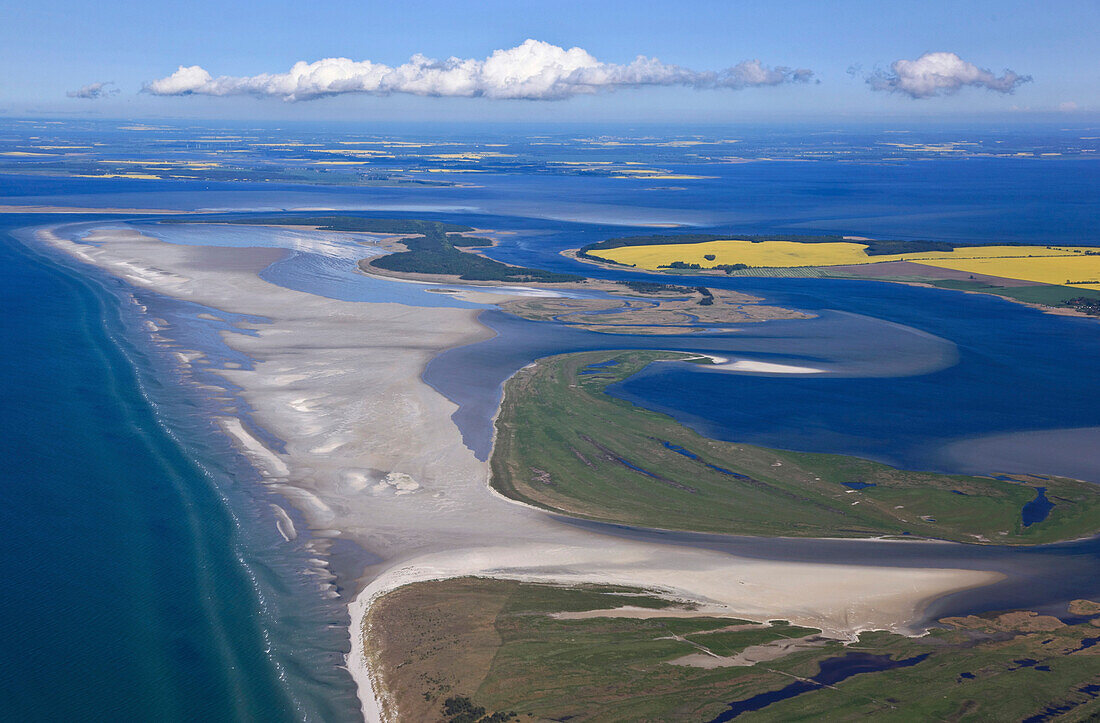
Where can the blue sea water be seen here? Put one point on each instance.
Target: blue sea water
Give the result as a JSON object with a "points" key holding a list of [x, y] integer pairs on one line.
{"points": [[144, 578], [974, 199]]}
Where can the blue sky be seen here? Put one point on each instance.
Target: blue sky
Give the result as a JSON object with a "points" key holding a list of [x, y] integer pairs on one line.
{"points": [[54, 47]]}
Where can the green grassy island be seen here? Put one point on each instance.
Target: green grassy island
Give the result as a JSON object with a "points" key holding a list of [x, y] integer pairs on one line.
{"points": [[475, 649], [564, 445], [436, 252]]}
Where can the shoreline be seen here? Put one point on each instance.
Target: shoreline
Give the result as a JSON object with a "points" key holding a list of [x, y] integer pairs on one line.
{"points": [[449, 524]]}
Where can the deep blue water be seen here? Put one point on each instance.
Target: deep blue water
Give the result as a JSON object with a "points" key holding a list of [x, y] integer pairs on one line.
{"points": [[143, 575], [1037, 510]]}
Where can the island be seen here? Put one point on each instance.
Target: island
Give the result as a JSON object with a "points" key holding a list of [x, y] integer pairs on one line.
{"points": [[563, 444], [1058, 277], [476, 649]]}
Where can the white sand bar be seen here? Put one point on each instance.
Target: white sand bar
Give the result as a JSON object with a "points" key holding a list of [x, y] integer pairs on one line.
{"points": [[759, 367], [374, 457]]}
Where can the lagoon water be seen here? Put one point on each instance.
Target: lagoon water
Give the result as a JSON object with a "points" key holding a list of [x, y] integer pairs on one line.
{"points": [[144, 574]]}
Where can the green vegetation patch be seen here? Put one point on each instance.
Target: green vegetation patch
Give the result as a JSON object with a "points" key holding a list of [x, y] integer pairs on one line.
{"points": [[546, 668], [522, 663], [435, 252], [564, 445], [1086, 300], [977, 669]]}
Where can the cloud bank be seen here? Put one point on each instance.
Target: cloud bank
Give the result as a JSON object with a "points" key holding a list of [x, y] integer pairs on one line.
{"points": [[94, 90], [534, 70], [935, 74]]}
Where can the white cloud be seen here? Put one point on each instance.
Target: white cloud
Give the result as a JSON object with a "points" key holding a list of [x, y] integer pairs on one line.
{"points": [[1067, 106], [935, 74], [94, 90], [752, 73], [534, 70]]}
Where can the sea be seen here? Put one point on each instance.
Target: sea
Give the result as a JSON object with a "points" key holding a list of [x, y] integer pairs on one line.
{"points": [[145, 575]]}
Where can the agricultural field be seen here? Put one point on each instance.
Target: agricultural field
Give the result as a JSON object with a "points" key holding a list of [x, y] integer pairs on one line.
{"points": [[563, 444], [1071, 270], [497, 650], [1040, 264]]}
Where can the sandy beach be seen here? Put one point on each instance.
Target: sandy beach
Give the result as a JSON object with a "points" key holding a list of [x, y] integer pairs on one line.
{"points": [[371, 455]]}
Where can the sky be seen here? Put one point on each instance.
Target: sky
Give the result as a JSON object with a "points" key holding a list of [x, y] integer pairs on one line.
{"points": [[705, 61]]}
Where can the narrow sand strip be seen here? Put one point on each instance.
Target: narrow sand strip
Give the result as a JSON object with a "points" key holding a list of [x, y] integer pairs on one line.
{"points": [[761, 367]]}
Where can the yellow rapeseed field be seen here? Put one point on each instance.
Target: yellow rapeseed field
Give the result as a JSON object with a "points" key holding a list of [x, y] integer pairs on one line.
{"points": [[1056, 270], [1051, 265]]}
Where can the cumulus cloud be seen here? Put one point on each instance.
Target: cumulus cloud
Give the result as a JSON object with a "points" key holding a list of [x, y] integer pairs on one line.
{"points": [[941, 74], [534, 70], [94, 90]]}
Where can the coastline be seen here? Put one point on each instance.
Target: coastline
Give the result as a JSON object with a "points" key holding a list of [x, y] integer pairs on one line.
{"points": [[328, 368]]}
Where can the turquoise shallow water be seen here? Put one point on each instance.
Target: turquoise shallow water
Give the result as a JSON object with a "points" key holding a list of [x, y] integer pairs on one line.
{"points": [[143, 575]]}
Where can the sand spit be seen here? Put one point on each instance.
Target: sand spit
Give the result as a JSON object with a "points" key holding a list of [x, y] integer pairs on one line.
{"points": [[759, 367], [372, 455]]}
